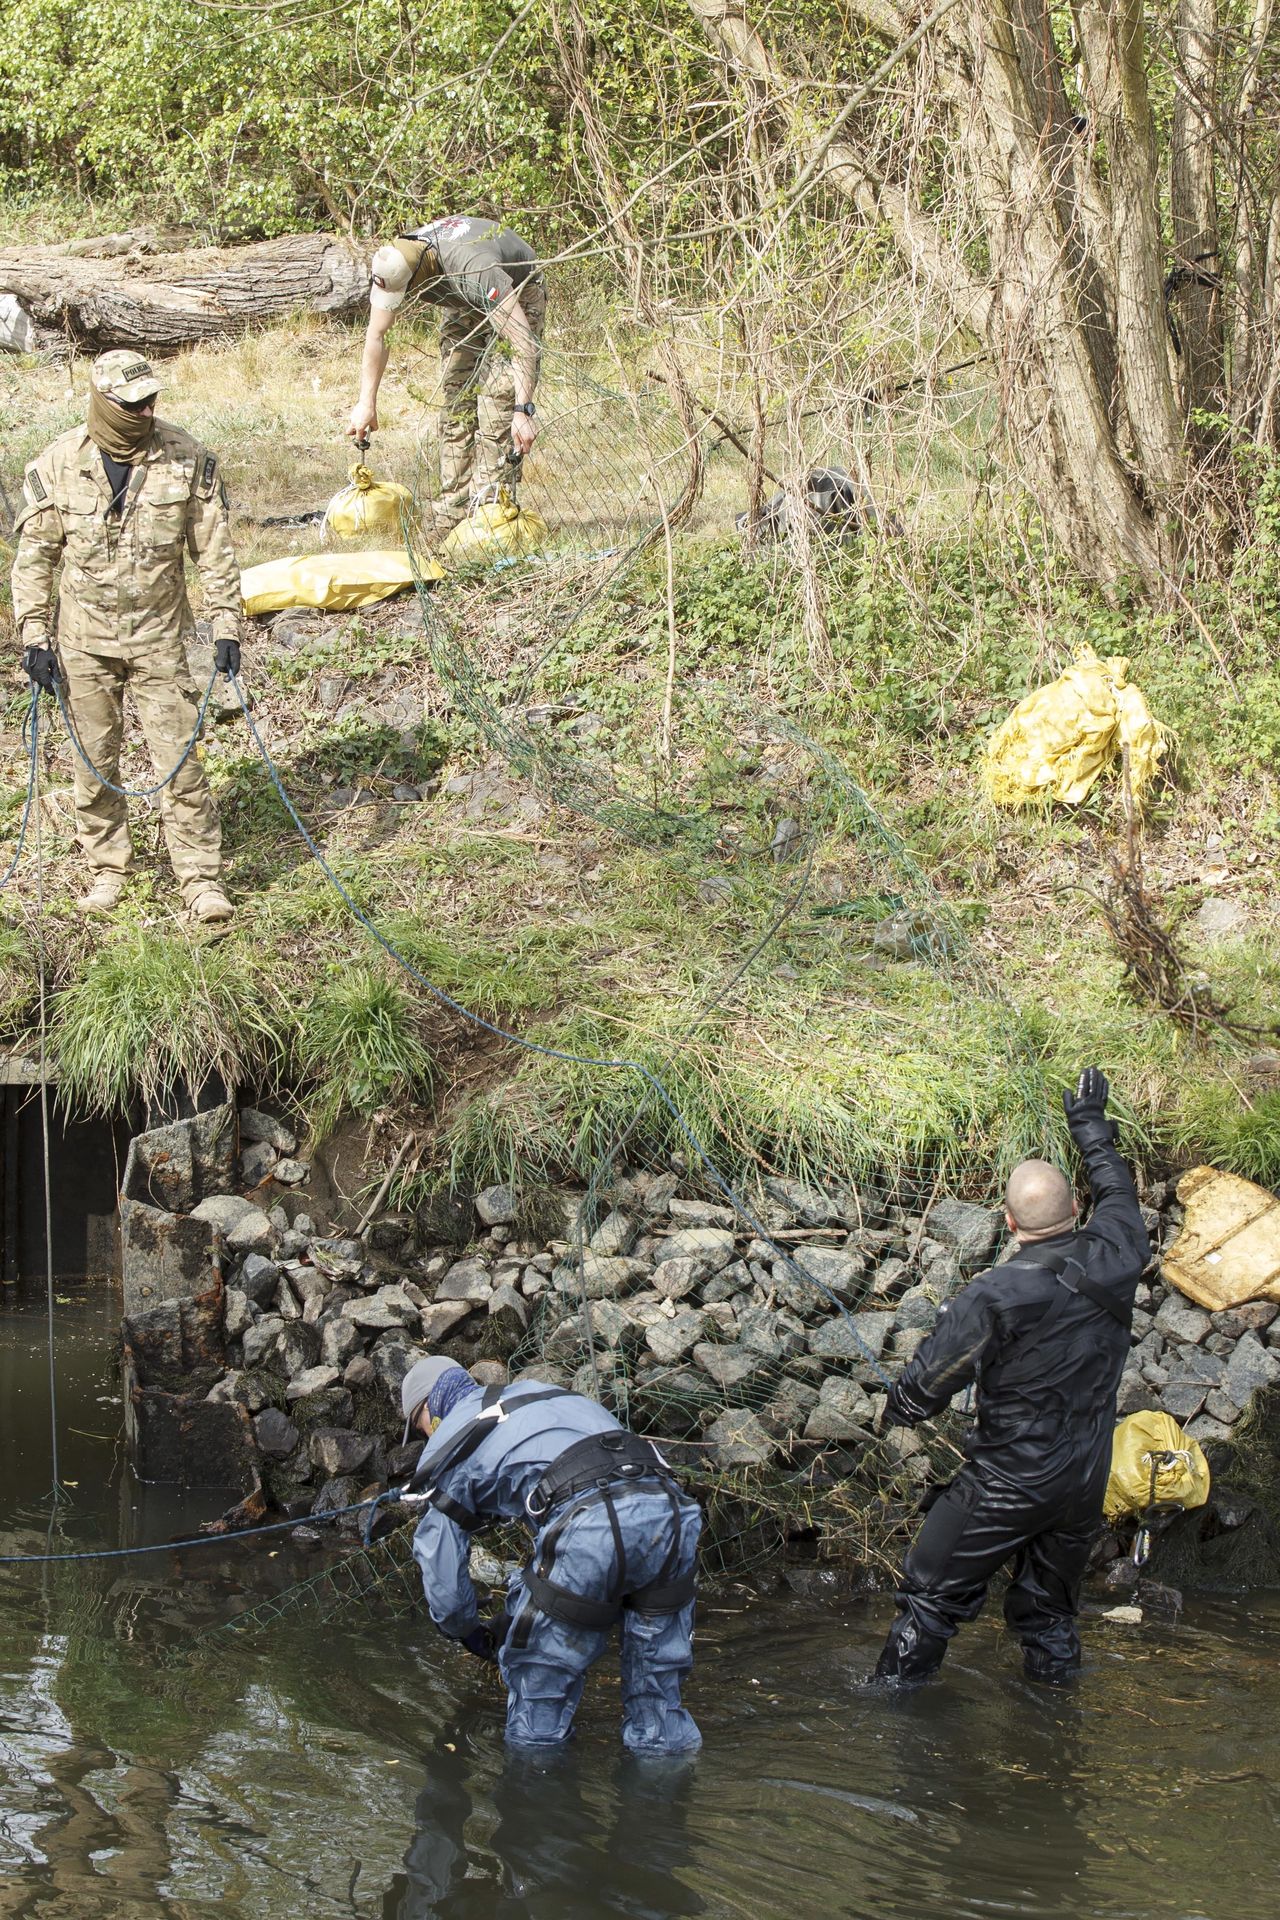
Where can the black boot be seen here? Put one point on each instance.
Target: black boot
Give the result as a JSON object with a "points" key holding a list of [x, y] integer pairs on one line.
{"points": [[910, 1654], [1048, 1672]]}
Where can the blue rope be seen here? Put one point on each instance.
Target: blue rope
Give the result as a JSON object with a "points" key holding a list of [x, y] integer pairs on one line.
{"points": [[139, 793], [637, 1067], [200, 1539], [31, 738]]}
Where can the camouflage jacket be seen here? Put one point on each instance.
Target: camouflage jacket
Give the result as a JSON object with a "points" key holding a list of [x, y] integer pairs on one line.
{"points": [[123, 589]]}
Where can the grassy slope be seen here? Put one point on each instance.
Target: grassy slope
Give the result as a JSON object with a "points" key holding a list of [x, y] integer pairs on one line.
{"points": [[824, 1055]]}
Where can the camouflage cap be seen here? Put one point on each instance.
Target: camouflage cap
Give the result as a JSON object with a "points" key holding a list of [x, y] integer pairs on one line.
{"points": [[124, 375]]}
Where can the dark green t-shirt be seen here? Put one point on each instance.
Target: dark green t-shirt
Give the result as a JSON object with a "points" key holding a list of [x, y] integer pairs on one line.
{"points": [[460, 261]]}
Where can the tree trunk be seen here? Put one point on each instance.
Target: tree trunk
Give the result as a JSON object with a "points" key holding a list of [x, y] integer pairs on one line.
{"points": [[159, 303], [1255, 232], [1196, 285], [1044, 310], [1112, 34]]}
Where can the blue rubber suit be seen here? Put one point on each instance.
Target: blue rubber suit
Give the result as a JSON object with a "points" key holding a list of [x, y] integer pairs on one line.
{"points": [[544, 1660]]}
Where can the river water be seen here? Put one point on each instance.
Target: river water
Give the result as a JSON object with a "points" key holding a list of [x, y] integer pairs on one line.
{"points": [[356, 1767]]}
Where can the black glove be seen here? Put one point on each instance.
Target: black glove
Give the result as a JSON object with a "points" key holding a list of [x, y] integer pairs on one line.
{"points": [[41, 667], [481, 1641], [1086, 1109], [226, 656]]}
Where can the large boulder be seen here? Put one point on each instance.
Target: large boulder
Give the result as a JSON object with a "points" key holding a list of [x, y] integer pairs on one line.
{"points": [[333, 1451], [468, 1280], [252, 1233], [275, 1433], [858, 1337], [843, 1412], [223, 1210], [971, 1232], [1179, 1320], [671, 1340], [496, 1206], [603, 1276], [259, 1278], [738, 1439], [256, 1125], [1250, 1368], [839, 1272], [728, 1365], [712, 1246]]}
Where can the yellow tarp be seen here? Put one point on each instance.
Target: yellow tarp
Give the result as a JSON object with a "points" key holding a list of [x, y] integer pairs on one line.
{"points": [[367, 505], [1181, 1480], [337, 581], [1061, 737], [498, 530], [1229, 1248]]}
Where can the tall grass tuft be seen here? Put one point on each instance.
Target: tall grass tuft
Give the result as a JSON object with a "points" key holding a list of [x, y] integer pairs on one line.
{"points": [[151, 1014], [360, 1046], [1214, 1125]]}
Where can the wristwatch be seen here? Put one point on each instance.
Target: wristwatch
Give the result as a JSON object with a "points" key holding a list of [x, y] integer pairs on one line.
{"points": [[525, 406]]}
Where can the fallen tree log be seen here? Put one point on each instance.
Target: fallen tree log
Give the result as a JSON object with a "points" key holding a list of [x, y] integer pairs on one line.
{"points": [[159, 302]]}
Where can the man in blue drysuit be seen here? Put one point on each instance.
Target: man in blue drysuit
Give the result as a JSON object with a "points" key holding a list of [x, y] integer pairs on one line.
{"points": [[615, 1538]]}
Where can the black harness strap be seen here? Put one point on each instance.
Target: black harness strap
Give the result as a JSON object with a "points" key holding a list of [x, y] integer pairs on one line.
{"points": [[1092, 1292], [1058, 1261], [493, 1411], [663, 1595], [594, 1616], [597, 1460]]}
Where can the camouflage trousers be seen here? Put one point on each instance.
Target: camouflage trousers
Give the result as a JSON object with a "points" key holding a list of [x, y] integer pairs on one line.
{"points": [[94, 685], [477, 385]]}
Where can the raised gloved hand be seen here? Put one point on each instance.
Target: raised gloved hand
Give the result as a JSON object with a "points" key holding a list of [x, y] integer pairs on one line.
{"points": [[226, 655], [40, 665], [1086, 1109]]}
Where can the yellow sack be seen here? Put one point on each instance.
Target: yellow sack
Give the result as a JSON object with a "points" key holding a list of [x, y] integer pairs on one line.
{"points": [[366, 505], [338, 581], [1154, 1441], [496, 530], [1061, 737]]}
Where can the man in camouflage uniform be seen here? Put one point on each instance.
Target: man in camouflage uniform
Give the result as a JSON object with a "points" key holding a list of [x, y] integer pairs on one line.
{"points": [[485, 280], [120, 502]]}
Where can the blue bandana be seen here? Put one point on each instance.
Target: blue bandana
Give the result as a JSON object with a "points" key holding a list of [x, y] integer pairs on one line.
{"points": [[451, 1387]]}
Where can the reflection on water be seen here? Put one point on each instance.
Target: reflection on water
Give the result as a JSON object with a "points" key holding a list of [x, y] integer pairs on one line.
{"points": [[151, 1764]]}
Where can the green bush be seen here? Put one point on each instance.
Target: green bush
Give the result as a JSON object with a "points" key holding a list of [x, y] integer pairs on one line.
{"points": [[360, 1047]]}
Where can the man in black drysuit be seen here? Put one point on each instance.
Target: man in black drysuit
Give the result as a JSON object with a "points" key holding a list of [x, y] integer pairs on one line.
{"points": [[1045, 1337]]}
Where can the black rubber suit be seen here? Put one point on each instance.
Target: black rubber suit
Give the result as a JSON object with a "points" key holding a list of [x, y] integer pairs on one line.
{"points": [[1047, 1360]]}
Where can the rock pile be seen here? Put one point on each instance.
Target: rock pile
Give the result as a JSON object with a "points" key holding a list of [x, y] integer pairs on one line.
{"points": [[715, 1334]]}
